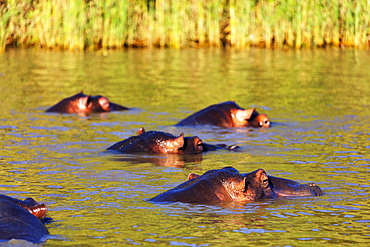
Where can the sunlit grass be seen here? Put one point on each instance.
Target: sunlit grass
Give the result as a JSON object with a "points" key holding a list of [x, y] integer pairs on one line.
{"points": [[98, 24]]}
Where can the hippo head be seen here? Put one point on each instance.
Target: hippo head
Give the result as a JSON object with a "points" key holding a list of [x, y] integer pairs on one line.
{"points": [[179, 145], [160, 142], [192, 145], [35, 208], [259, 180], [97, 104], [223, 185], [246, 188], [250, 118], [259, 120], [85, 104], [102, 104]]}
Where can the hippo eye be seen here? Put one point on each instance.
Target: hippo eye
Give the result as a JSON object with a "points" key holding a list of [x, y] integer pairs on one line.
{"points": [[265, 182], [266, 122]]}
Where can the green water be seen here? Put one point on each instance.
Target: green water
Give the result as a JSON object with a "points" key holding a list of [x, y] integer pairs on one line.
{"points": [[317, 100]]}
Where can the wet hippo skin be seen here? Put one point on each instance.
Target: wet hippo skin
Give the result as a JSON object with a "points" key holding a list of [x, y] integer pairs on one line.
{"points": [[85, 104], [284, 187], [164, 143], [22, 219], [227, 114], [216, 186], [150, 142]]}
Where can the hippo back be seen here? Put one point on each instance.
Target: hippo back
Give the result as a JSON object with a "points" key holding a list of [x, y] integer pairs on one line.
{"points": [[219, 115]]}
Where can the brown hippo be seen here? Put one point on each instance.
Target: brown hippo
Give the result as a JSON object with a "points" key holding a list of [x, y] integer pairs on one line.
{"points": [[164, 143], [265, 186], [216, 186], [22, 219], [227, 114], [85, 104]]}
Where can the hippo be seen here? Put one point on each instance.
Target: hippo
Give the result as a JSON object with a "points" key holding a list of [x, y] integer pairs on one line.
{"points": [[217, 186], [22, 219], [158, 142], [227, 114], [228, 185], [85, 104]]}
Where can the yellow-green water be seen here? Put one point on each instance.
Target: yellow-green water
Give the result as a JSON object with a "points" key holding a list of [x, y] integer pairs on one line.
{"points": [[317, 100]]}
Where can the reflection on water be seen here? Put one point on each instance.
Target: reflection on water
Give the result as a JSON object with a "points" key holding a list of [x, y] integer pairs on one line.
{"points": [[169, 160], [318, 102]]}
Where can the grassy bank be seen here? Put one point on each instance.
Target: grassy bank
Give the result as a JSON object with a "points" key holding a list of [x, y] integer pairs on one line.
{"points": [[96, 24]]}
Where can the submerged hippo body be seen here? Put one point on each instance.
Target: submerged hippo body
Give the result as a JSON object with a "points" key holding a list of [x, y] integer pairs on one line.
{"points": [[164, 143], [216, 186], [22, 219], [227, 114], [85, 104]]}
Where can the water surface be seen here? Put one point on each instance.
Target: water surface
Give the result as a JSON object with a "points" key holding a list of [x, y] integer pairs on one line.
{"points": [[318, 101]]}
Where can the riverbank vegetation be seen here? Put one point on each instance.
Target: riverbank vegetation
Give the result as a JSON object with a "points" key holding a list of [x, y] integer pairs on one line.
{"points": [[104, 24]]}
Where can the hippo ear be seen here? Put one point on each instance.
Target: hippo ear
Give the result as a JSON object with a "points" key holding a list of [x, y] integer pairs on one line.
{"points": [[236, 185], [242, 115], [140, 131], [83, 102], [192, 175], [172, 145], [241, 185], [182, 134], [178, 142]]}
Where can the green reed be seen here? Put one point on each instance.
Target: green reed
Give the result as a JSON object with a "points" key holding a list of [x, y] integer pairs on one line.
{"points": [[104, 24], [5, 15]]}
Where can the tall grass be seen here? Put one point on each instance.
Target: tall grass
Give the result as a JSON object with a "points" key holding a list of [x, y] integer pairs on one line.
{"points": [[5, 15], [104, 24]]}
